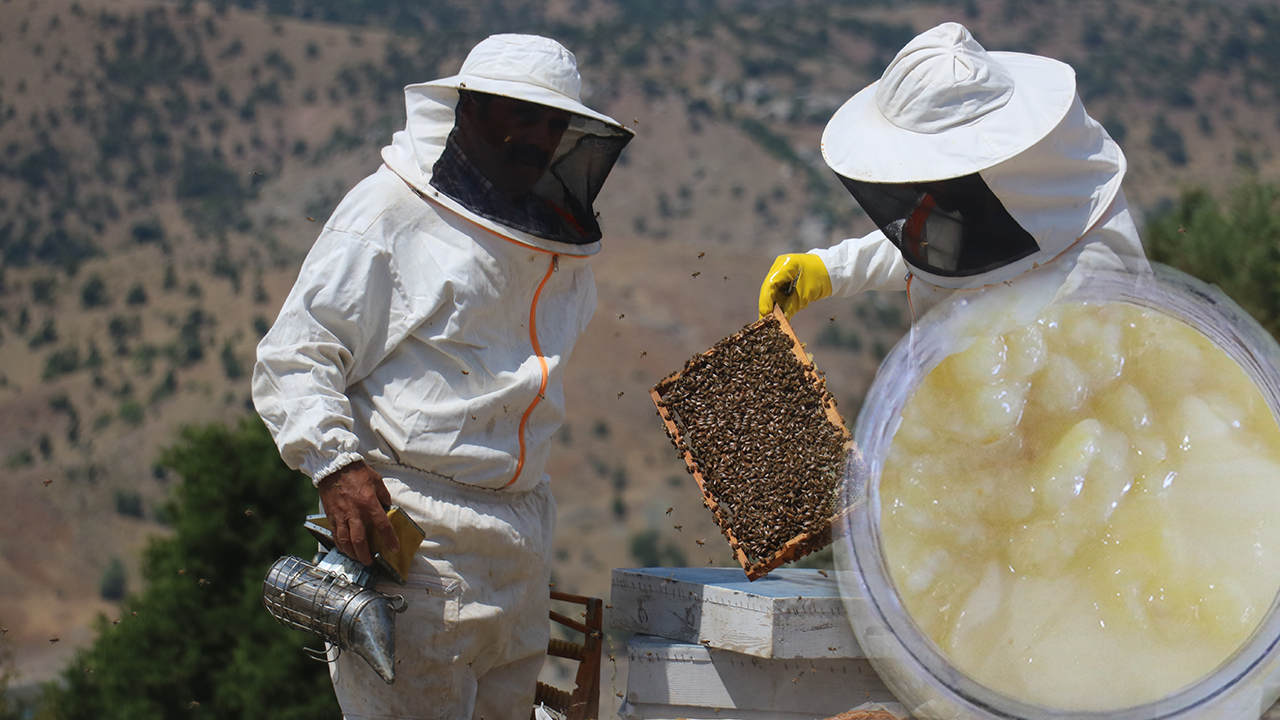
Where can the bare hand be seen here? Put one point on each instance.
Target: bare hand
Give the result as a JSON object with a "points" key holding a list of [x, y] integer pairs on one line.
{"points": [[354, 498]]}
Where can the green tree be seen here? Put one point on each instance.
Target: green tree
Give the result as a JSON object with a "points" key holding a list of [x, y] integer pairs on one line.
{"points": [[10, 709], [197, 643], [1233, 244]]}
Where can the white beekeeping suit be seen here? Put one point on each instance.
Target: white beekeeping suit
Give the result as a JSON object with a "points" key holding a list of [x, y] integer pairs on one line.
{"points": [[419, 360], [978, 168]]}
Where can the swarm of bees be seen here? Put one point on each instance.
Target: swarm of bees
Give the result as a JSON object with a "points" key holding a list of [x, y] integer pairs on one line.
{"points": [[759, 431]]}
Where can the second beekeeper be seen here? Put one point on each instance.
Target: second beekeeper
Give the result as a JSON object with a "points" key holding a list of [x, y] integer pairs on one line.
{"points": [[977, 168], [419, 360]]}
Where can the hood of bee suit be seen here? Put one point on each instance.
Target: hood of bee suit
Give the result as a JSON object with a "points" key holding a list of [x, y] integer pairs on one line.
{"points": [[533, 69], [946, 108]]}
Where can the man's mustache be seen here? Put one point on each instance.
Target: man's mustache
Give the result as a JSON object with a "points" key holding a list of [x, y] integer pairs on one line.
{"points": [[524, 154]]}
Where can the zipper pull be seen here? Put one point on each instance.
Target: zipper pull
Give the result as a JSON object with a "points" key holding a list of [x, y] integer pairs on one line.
{"points": [[555, 263]]}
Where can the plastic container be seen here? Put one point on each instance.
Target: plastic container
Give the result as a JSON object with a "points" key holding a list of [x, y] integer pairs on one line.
{"points": [[914, 668]]}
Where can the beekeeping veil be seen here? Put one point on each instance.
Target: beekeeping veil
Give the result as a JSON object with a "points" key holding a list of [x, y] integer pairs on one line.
{"points": [[978, 166], [557, 214]]}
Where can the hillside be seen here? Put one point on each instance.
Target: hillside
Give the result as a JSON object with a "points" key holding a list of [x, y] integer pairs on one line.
{"points": [[164, 167]]}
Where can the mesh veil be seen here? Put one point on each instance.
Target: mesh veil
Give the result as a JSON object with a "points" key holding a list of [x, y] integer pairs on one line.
{"points": [[951, 228], [560, 206]]}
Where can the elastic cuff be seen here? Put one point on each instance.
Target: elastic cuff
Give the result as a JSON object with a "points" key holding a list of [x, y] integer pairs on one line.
{"points": [[331, 467]]}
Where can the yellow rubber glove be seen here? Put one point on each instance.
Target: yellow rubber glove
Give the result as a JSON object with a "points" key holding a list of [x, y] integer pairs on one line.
{"points": [[794, 281]]}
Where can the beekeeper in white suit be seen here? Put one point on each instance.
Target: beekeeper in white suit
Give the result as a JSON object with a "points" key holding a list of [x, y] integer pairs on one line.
{"points": [[977, 168], [419, 360]]}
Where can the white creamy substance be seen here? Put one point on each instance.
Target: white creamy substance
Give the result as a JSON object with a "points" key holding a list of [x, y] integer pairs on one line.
{"points": [[1085, 513]]}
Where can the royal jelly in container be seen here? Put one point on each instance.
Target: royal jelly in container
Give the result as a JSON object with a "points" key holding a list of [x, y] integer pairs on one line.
{"points": [[1068, 506]]}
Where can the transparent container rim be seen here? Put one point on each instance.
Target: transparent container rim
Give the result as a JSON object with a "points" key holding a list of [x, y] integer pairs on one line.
{"points": [[881, 617]]}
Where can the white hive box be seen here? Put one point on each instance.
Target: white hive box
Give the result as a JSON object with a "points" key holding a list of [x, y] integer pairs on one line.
{"points": [[790, 613], [668, 679]]}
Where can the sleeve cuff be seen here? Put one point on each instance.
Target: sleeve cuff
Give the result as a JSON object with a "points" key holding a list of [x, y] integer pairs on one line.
{"points": [[318, 469]]}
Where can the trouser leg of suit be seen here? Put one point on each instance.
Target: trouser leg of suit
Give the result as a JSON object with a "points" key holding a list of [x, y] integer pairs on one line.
{"points": [[475, 634]]}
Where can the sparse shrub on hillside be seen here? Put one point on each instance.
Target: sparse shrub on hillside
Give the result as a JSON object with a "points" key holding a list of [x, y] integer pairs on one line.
{"points": [[93, 361], [213, 192], [833, 336], [131, 412], [165, 389], [129, 503], [121, 329], [148, 231], [62, 404], [191, 337], [224, 267], [276, 61], [231, 365], [44, 290], [93, 294], [114, 581], [45, 335], [66, 249], [45, 445], [144, 357], [61, 362], [137, 295], [1168, 140], [649, 550], [20, 459], [148, 52]]}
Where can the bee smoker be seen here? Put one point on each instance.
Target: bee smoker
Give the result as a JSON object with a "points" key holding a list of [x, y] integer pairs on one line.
{"points": [[334, 598]]}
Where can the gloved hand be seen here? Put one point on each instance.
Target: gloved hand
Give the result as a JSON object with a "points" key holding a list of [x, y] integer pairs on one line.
{"points": [[794, 281]]}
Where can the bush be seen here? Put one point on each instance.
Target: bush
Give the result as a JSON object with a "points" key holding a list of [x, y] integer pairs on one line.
{"points": [[44, 336], [137, 295], [94, 293], [131, 412], [44, 290], [1234, 245], [21, 458], [129, 503], [196, 639], [231, 365], [649, 551], [1168, 140], [114, 581], [61, 362]]}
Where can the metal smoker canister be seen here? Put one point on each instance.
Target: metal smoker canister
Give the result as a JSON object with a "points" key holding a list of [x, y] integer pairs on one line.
{"points": [[325, 602]]}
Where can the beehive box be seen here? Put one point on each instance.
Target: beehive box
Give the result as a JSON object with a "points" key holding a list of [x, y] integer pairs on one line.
{"points": [[667, 679], [761, 435], [791, 614]]}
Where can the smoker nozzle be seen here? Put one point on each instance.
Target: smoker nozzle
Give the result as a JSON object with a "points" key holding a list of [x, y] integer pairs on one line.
{"points": [[326, 602]]}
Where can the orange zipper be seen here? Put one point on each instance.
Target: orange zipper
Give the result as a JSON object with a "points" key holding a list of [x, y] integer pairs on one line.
{"points": [[537, 349]]}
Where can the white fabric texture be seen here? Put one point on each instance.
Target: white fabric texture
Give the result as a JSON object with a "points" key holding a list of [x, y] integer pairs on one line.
{"points": [[412, 336], [946, 108], [524, 67], [474, 636]]}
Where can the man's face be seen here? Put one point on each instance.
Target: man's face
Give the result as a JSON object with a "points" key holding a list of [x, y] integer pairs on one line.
{"points": [[510, 141]]}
